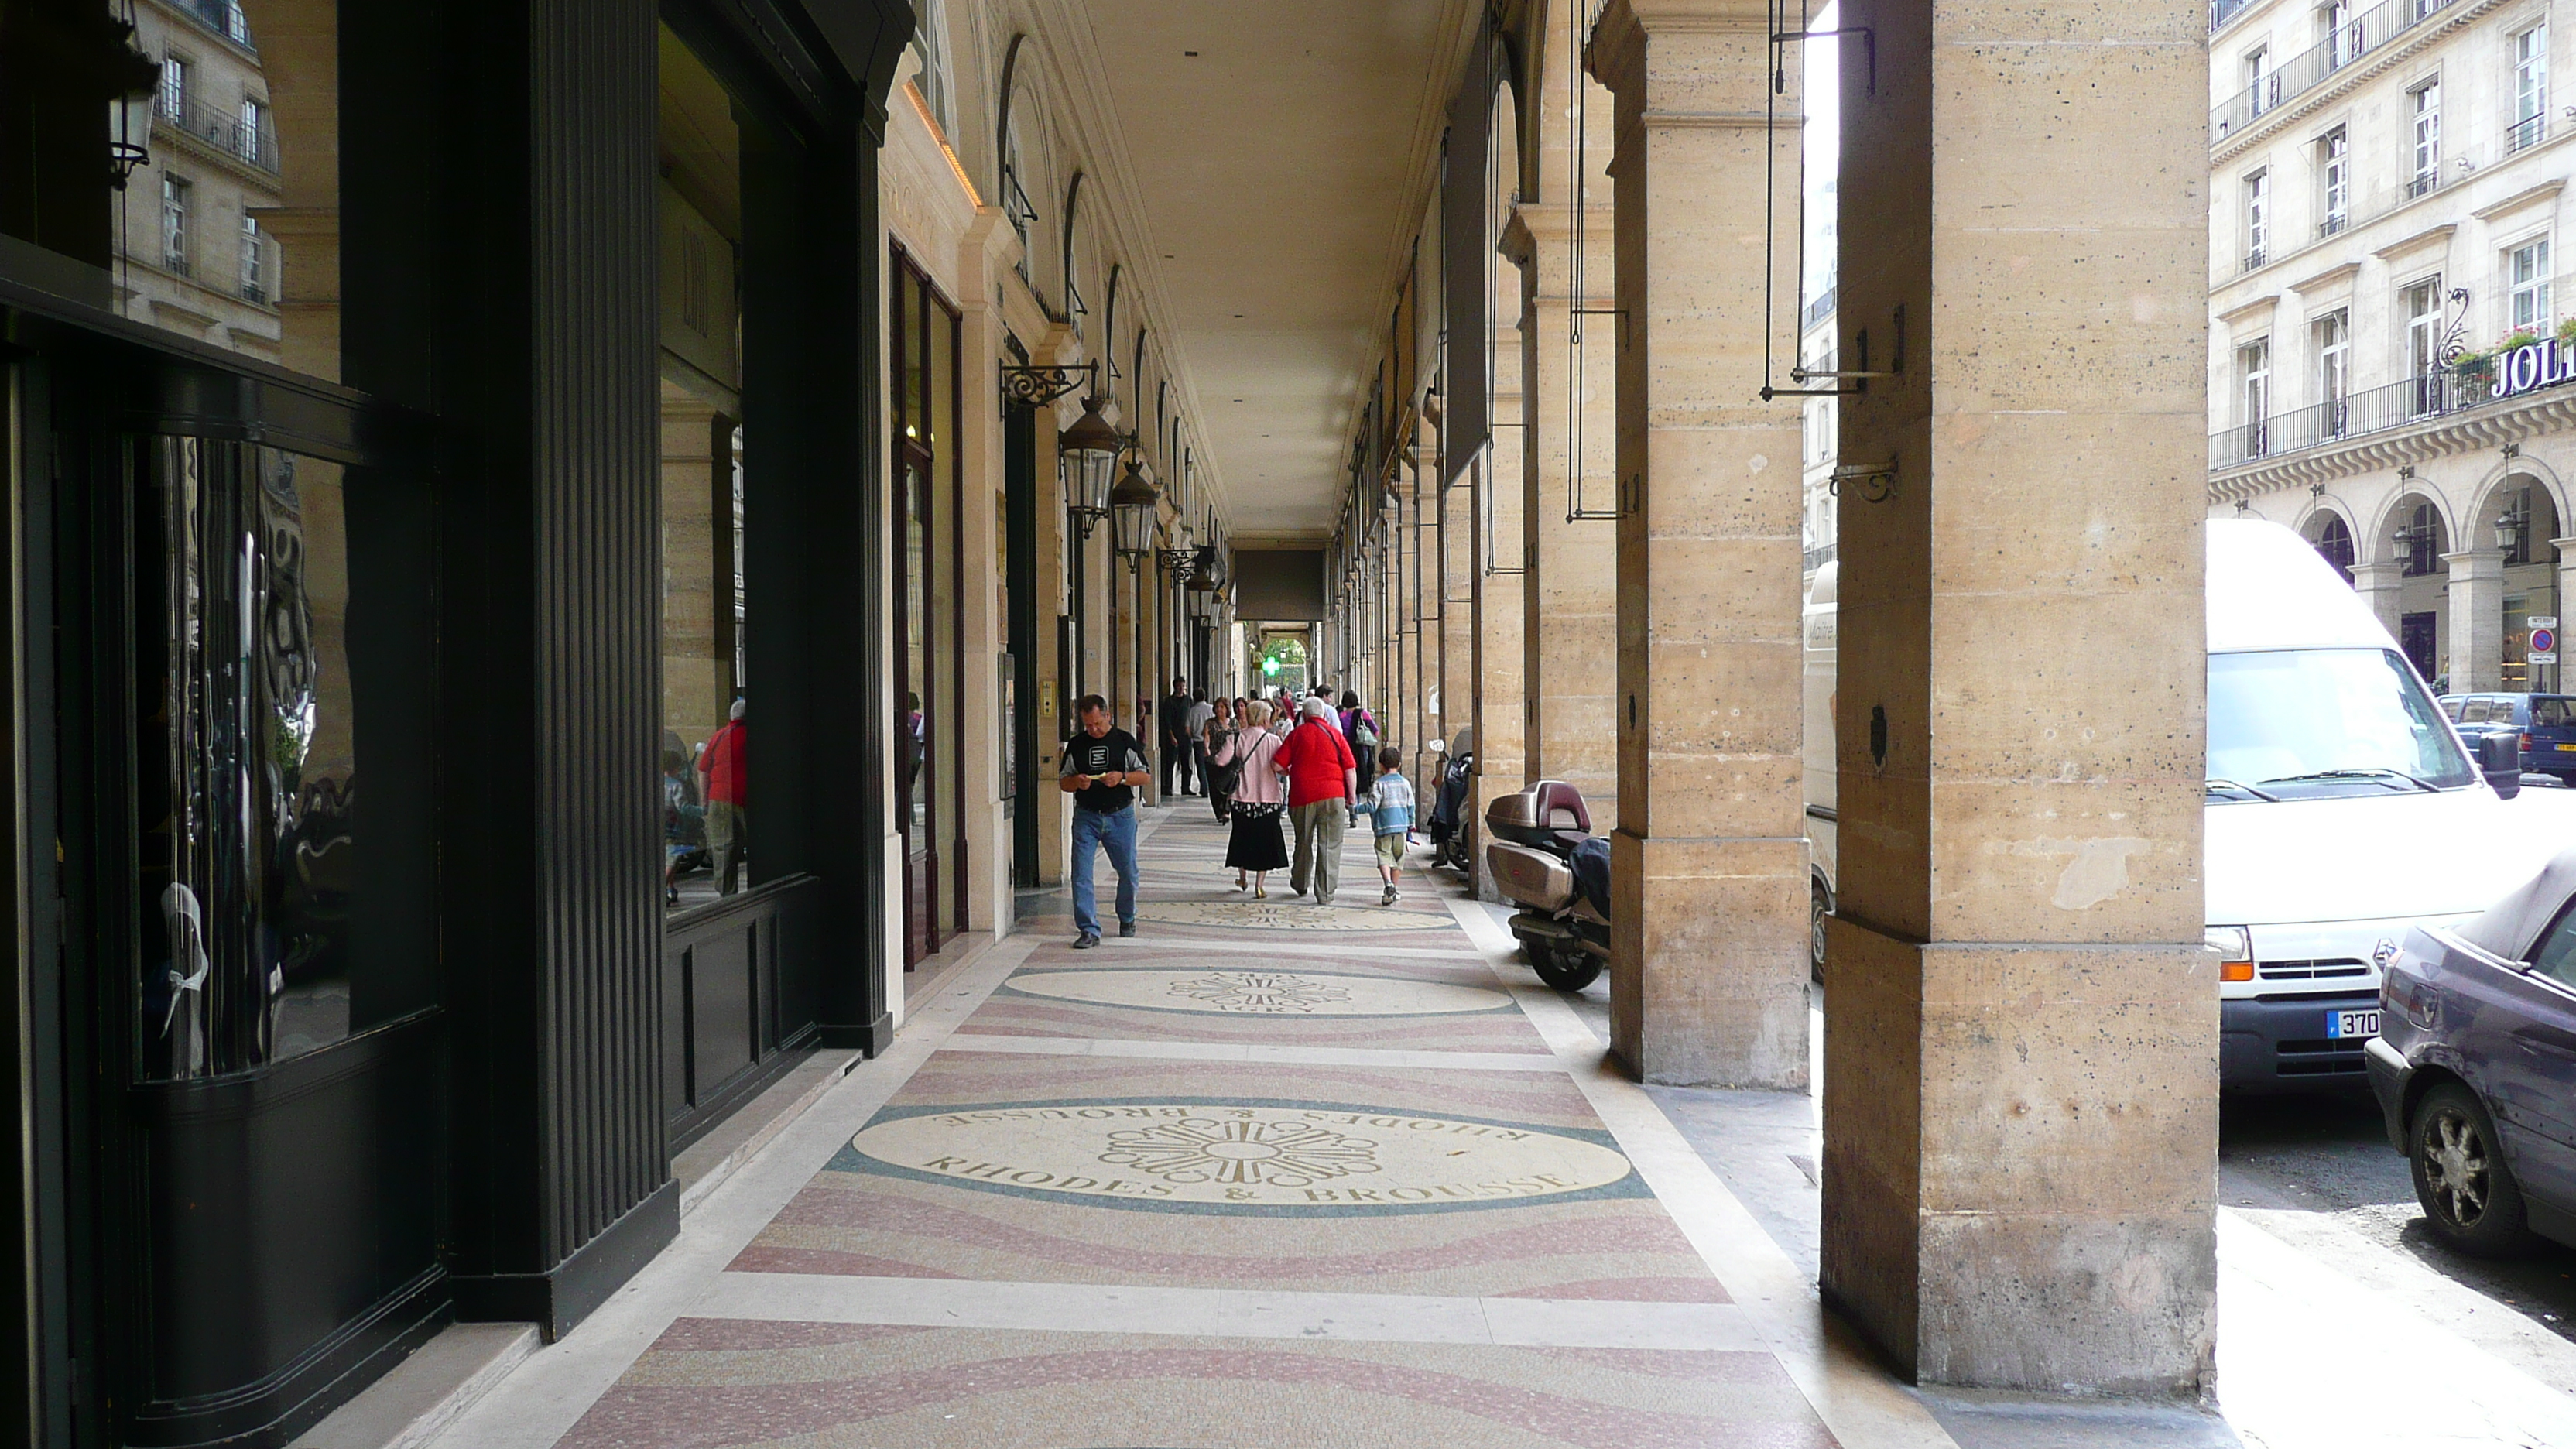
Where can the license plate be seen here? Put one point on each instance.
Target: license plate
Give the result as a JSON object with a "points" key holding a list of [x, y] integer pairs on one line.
{"points": [[2348, 1024], [2571, 749]]}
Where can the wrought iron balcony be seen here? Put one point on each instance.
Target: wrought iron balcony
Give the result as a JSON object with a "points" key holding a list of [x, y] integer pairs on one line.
{"points": [[2376, 410], [2349, 42], [225, 133]]}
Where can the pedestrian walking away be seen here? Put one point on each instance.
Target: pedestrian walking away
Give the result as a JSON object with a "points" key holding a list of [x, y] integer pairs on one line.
{"points": [[1323, 784], [1104, 767], [1194, 728], [1389, 807], [1359, 731], [1172, 718], [1251, 753], [726, 762]]}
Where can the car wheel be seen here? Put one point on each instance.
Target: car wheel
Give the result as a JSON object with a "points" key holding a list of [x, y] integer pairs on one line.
{"points": [[1819, 906], [2468, 1193]]}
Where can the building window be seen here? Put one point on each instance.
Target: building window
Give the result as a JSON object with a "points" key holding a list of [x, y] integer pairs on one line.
{"points": [[174, 86], [2258, 217], [2342, 35], [2334, 175], [2530, 88], [2422, 303], [2254, 391], [1015, 196], [2424, 103], [2258, 78], [2333, 339], [930, 47], [2334, 542], [174, 224], [254, 123], [254, 274], [236, 24], [2527, 275]]}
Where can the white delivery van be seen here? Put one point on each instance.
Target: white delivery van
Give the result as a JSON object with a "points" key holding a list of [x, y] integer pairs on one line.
{"points": [[2342, 808]]}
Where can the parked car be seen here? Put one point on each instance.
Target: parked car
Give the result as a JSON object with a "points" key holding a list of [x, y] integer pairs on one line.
{"points": [[2546, 724], [2474, 1065]]}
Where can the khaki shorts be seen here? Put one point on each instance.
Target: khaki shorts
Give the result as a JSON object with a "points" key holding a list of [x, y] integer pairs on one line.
{"points": [[1390, 848]]}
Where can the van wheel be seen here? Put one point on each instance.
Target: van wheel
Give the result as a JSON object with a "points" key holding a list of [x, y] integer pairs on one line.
{"points": [[2468, 1193], [1819, 906]]}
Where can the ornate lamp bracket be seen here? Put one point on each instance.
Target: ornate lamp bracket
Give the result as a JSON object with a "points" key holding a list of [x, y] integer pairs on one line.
{"points": [[1035, 387]]}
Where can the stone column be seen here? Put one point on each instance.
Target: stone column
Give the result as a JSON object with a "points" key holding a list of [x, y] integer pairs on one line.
{"points": [[1569, 641], [1709, 865], [2021, 1104], [2476, 623], [1497, 578], [2378, 584]]}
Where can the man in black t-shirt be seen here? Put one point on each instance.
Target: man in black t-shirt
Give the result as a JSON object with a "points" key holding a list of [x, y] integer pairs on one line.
{"points": [[1172, 717], [1104, 767]]}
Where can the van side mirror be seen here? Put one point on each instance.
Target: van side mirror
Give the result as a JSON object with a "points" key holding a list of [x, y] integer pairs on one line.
{"points": [[2500, 759]]}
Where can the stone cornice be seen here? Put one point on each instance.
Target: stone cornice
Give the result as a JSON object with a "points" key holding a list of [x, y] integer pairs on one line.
{"points": [[2420, 241], [2536, 415], [2243, 311], [2528, 196], [2327, 278], [2352, 77]]}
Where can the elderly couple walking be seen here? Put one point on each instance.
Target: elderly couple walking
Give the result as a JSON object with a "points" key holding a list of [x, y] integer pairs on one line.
{"points": [[1312, 775]]}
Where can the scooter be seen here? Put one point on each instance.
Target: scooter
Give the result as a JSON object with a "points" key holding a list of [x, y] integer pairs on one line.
{"points": [[1449, 844], [1545, 860]]}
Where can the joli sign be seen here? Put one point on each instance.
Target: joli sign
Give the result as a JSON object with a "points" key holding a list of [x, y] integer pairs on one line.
{"points": [[2534, 365]]}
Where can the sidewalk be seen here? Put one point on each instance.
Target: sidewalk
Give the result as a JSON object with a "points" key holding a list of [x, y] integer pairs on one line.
{"points": [[1269, 1174], [1275, 1174]]}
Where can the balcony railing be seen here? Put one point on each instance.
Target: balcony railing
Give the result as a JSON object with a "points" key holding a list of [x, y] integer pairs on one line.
{"points": [[2222, 11], [1818, 310], [2525, 134], [225, 133], [2350, 41], [2376, 410]]}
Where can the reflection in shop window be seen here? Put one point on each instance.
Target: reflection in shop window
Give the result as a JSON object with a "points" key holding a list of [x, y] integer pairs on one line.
{"points": [[247, 784], [706, 773]]}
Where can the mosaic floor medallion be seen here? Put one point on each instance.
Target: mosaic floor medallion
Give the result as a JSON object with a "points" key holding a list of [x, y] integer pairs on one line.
{"points": [[1260, 993], [1217, 1156], [1293, 915]]}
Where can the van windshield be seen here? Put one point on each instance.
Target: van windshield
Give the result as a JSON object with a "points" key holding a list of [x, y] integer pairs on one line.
{"points": [[2309, 722]]}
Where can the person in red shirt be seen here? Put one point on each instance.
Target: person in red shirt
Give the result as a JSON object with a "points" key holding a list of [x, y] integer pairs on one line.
{"points": [[726, 762], [1323, 784]]}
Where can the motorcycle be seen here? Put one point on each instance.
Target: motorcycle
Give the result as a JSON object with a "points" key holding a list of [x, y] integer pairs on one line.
{"points": [[1449, 845], [1545, 859]]}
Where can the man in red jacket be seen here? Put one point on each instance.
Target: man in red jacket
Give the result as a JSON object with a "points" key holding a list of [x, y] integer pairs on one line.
{"points": [[726, 762], [1323, 784]]}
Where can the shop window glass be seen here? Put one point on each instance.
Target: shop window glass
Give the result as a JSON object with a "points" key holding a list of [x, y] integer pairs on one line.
{"points": [[248, 726], [922, 351], [708, 810]]}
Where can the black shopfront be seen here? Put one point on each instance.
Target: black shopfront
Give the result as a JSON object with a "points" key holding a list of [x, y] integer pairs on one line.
{"points": [[349, 996]]}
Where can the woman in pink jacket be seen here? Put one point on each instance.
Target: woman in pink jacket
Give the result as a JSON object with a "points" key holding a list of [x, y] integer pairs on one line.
{"points": [[1259, 796]]}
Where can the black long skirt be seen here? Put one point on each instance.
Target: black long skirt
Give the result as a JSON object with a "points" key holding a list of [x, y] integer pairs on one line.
{"points": [[1256, 843]]}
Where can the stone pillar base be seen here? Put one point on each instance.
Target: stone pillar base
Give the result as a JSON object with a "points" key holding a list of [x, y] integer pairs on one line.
{"points": [[1712, 990], [2020, 1170]]}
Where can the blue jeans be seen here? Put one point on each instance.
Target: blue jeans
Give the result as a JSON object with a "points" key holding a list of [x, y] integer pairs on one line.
{"points": [[1117, 831]]}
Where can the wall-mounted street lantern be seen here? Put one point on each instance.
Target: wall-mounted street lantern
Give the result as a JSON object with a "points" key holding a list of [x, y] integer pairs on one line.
{"points": [[1133, 508], [1087, 454]]}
